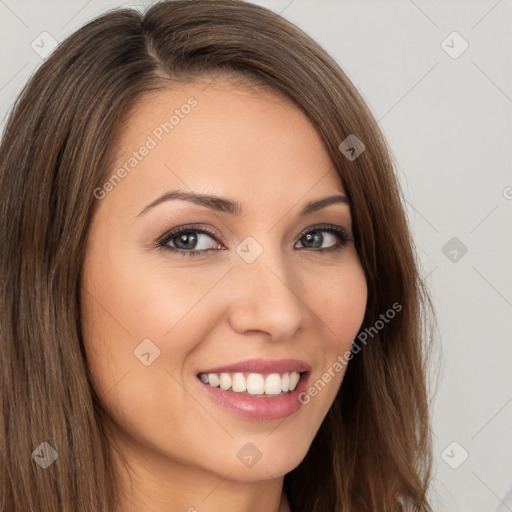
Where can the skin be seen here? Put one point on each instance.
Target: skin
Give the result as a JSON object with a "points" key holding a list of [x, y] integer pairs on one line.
{"points": [[175, 449]]}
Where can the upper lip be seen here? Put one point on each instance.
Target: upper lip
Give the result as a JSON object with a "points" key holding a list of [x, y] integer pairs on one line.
{"points": [[262, 366]]}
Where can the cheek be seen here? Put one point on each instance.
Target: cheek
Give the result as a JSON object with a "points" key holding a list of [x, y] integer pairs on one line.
{"points": [[339, 300], [126, 312], [134, 297], [141, 320]]}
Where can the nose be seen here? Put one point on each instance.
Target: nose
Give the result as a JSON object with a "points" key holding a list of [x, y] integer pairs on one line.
{"points": [[265, 298]]}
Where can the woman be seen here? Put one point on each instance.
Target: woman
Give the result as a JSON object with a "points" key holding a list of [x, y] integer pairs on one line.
{"points": [[210, 299]]}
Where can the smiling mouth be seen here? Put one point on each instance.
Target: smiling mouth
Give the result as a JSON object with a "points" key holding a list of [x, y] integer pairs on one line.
{"points": [[254, 384]]}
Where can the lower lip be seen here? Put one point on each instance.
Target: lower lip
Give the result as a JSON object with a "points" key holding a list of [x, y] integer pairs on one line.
{"points": [[260, 408]]}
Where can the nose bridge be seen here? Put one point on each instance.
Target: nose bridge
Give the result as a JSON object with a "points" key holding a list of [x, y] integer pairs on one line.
{"points": [[264, 293]]}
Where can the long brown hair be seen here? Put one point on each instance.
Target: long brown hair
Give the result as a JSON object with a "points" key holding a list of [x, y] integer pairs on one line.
{"points": [[373, 450]]}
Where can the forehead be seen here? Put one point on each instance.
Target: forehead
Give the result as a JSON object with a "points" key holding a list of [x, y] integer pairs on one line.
{"points": [[220, 137]]}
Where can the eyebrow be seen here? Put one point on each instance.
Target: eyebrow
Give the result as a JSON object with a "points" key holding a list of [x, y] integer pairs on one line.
{"points": [[221, 204]]}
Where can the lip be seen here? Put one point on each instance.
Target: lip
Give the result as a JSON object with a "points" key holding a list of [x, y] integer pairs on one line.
{"points": [[260, 408], [263, 366]]}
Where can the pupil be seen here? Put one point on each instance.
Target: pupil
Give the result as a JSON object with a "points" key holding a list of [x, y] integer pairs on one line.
{"points": [[315, 237], [183, 238]]}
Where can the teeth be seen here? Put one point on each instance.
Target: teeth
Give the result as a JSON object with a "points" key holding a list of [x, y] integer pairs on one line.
{"points": [[254, 383], [239, 384], [213, 379], [273, 384], [285, 382], [225, 381], [294, 379]]}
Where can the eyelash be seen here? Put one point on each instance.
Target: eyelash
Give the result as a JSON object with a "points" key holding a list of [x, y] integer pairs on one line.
{"points": [[162, 242]]}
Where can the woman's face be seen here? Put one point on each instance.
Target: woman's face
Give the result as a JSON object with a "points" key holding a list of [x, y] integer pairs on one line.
{"points": [[263, 295]]}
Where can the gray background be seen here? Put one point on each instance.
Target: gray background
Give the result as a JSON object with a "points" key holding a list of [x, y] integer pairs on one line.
{"points": [[448, 121]]}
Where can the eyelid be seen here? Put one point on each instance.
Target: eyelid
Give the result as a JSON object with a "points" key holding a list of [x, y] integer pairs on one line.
{"points": [[200, 228], [325, 226], [343, 237]]}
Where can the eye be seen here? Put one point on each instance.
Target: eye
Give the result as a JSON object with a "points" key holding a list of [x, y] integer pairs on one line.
{"points": [[193, 240], [313, 238], [188, 241]]}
